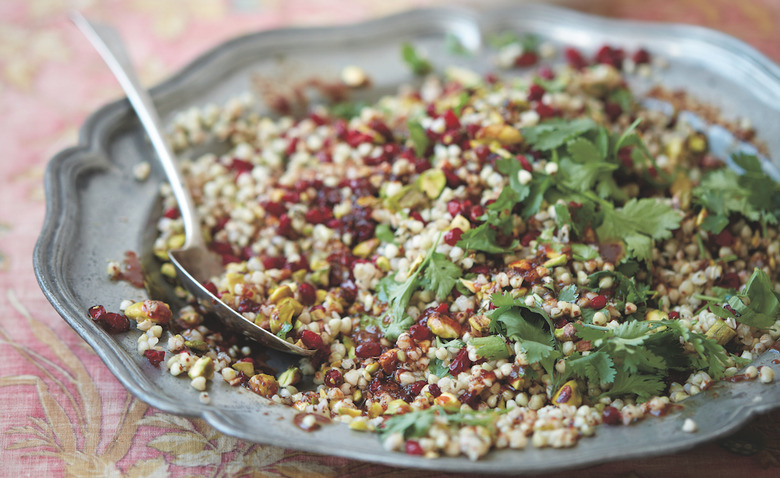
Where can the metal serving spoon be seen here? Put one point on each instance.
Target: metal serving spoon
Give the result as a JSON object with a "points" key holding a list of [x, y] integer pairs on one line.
{"points": [[194, 263]]}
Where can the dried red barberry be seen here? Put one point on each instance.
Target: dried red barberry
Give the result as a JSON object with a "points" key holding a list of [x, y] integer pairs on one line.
{"points": [[535, 92], [434, 390], [453, 236], [641, 56], [575, 58], [611, 416], [172, 213], [272, 262], [610, 56], [155, 357], [420, 332], [111, 322], [311, 340], [451, 121], [285, 226], [598, 302], [460, 363], [307, 293], [527, 58], [274, 208], [318, 215], [241, 166], [333, 378], [546, 111], [367, 350], [414, 389], [453, 181], [412, 447]]}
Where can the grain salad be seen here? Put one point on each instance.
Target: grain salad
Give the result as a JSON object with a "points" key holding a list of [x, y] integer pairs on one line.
{"points": [[479, 261]]}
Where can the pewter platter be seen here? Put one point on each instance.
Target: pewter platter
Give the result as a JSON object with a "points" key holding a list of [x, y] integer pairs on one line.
{"points": [[96, 210]]}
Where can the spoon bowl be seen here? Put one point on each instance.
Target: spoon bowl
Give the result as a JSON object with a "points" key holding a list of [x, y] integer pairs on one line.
{"points": [[195, 264]]}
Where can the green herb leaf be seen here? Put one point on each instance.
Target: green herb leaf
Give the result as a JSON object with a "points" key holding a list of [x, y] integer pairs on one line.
{"points": [[398, 296], [491, 347], [596, 367], [510, 167], [554, 133], [347, 109], [583, 150], [484, 238], [437, 367], [414, 424], [384, 233], [761, 310], [626, 287], [442, 275], [642, 385], [454, 46], [419, 139], [638, 223], [419, 65], [529, 326], [286, 328], [583, 252], [568, 293]]}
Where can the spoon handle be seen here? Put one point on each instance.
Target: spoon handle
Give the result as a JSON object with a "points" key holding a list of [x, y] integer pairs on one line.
{"points": [[110, 47]]}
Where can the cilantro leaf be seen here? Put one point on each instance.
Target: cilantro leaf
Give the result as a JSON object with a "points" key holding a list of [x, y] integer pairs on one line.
{"points": [[499, 213], [762, 189], [595, 175], [583, 150], [510, 167], [484, 238], [758, 305], [568, 293], [414, 424], [442, 275], [752, 194], [418, 64], [437, 367], [709, 353], [418, 137], [384, 233], [286, 328], [347, 109], [583, 252], [398, 296], [646, 216], [596, 367], [453, 45], [625, 287], [528, 42], [529, 326], [638, 223], [491, 347], [540, 184], [644, 386], [623, 97], [554, 133]]}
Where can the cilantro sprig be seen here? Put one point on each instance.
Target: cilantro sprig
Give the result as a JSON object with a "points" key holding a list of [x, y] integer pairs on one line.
{"points": [[415, 424], [414, 60], [753, 194], [435, 273]]}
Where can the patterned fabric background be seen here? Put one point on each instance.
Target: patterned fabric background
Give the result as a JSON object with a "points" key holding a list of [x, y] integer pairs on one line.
{"points": [[61, 411]]}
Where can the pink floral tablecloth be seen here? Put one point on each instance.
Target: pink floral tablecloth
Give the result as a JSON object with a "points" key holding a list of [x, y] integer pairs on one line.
{"points": [[61, 411]]}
